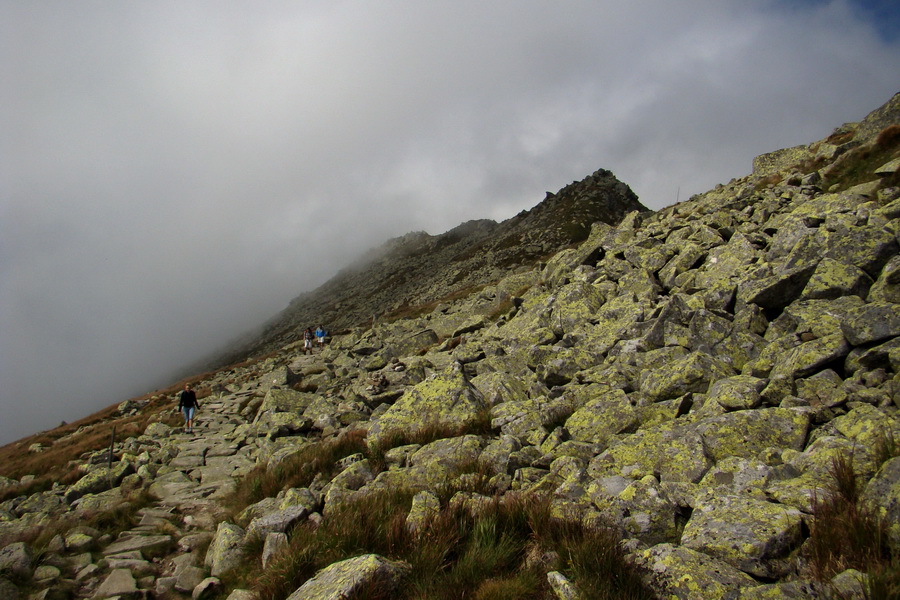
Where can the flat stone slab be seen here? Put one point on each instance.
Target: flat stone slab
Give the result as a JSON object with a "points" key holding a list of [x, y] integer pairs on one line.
{"points": [[141, 543], [210, 475], [137, 567], [119, 583], [189, 461], [222, 450]]}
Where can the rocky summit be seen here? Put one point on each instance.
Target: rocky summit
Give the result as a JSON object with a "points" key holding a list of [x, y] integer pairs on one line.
{"points": [[715, 385], [417, 269]]}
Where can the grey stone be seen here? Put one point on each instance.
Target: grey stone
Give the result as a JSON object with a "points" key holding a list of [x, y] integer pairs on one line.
{"points": [[278, 521], [755, 536], [208, 588], [275, 544], [189, 578], [142, 543], [226, 552], [119, 582], [17, 560], [344, 578]]}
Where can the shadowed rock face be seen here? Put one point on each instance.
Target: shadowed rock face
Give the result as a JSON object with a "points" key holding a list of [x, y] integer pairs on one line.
{"points": [[688, 376]]}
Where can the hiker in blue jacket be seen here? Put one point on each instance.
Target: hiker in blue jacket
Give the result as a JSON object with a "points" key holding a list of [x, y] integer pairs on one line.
{"points": [[320, 336]]}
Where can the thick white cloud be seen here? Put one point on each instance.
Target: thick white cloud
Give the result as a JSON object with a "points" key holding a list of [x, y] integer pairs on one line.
{"points": [[173, 174]]}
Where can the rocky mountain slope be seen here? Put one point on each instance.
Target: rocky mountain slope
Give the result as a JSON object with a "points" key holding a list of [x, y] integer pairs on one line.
{"points": [[418, 268], [716, 383]]}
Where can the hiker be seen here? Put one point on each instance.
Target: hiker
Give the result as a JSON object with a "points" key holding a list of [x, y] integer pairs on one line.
{"points": [[307, 341], [188, 405], [320, 336]]}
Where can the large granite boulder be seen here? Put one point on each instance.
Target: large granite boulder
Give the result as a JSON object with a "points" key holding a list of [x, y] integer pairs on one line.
{"points": [[753, 535], [446, 399], [348, 577]]}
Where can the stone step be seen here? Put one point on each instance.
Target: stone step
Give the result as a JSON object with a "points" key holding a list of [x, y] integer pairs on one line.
{"points": [[142, 543]]}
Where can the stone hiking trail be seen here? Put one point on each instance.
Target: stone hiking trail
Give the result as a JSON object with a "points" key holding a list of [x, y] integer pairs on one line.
{"points": [[181, 520]]}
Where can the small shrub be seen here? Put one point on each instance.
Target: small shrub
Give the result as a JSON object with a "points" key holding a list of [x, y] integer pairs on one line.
{"points": [[846, 532]]}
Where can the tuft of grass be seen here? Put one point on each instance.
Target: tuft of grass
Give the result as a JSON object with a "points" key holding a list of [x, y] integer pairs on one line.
{"points": [[425, 434], [459, 555], [297, 470], [846, 532], [884, 582], [886, 447], [859, 164]]}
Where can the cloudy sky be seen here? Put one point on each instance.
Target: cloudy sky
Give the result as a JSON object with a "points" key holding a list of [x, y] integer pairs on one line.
{"points": [[173, 173]]}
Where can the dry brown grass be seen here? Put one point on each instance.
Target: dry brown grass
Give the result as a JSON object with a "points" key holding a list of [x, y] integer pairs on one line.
{"points": [[72, 441], [848, 533]]}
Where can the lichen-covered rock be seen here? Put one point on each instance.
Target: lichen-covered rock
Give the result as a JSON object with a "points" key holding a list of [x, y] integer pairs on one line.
{"points": [[157, 430], [284, 400], [807, 358], [602, 417], [746, 433], [833, 279], [883, 493], [425, 506], [737, 476], [446, 399], [498, 452], [638, 507], [498, 387], [755, 536], [737, 393], [789, 590], [774, 291], [443, 458], [667, 451], [523, 420], [411, 343], [690, 374], [99, 479], [562, 587], [685, 574], [226, 552], [727, 261], [872, 322], [887, 287], [346, 578]]}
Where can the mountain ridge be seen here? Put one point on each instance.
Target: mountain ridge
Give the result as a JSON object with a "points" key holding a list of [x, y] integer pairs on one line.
{"points": [[417, 268]]}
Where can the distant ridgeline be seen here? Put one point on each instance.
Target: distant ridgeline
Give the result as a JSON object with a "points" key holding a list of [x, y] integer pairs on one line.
{"points": [[416, 269]]}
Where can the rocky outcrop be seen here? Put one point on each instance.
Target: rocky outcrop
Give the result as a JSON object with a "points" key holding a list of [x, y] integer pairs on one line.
{"points": [[419, 268]]}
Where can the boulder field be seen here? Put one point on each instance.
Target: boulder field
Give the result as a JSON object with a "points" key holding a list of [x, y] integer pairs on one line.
{"points": [[690, 377]]}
